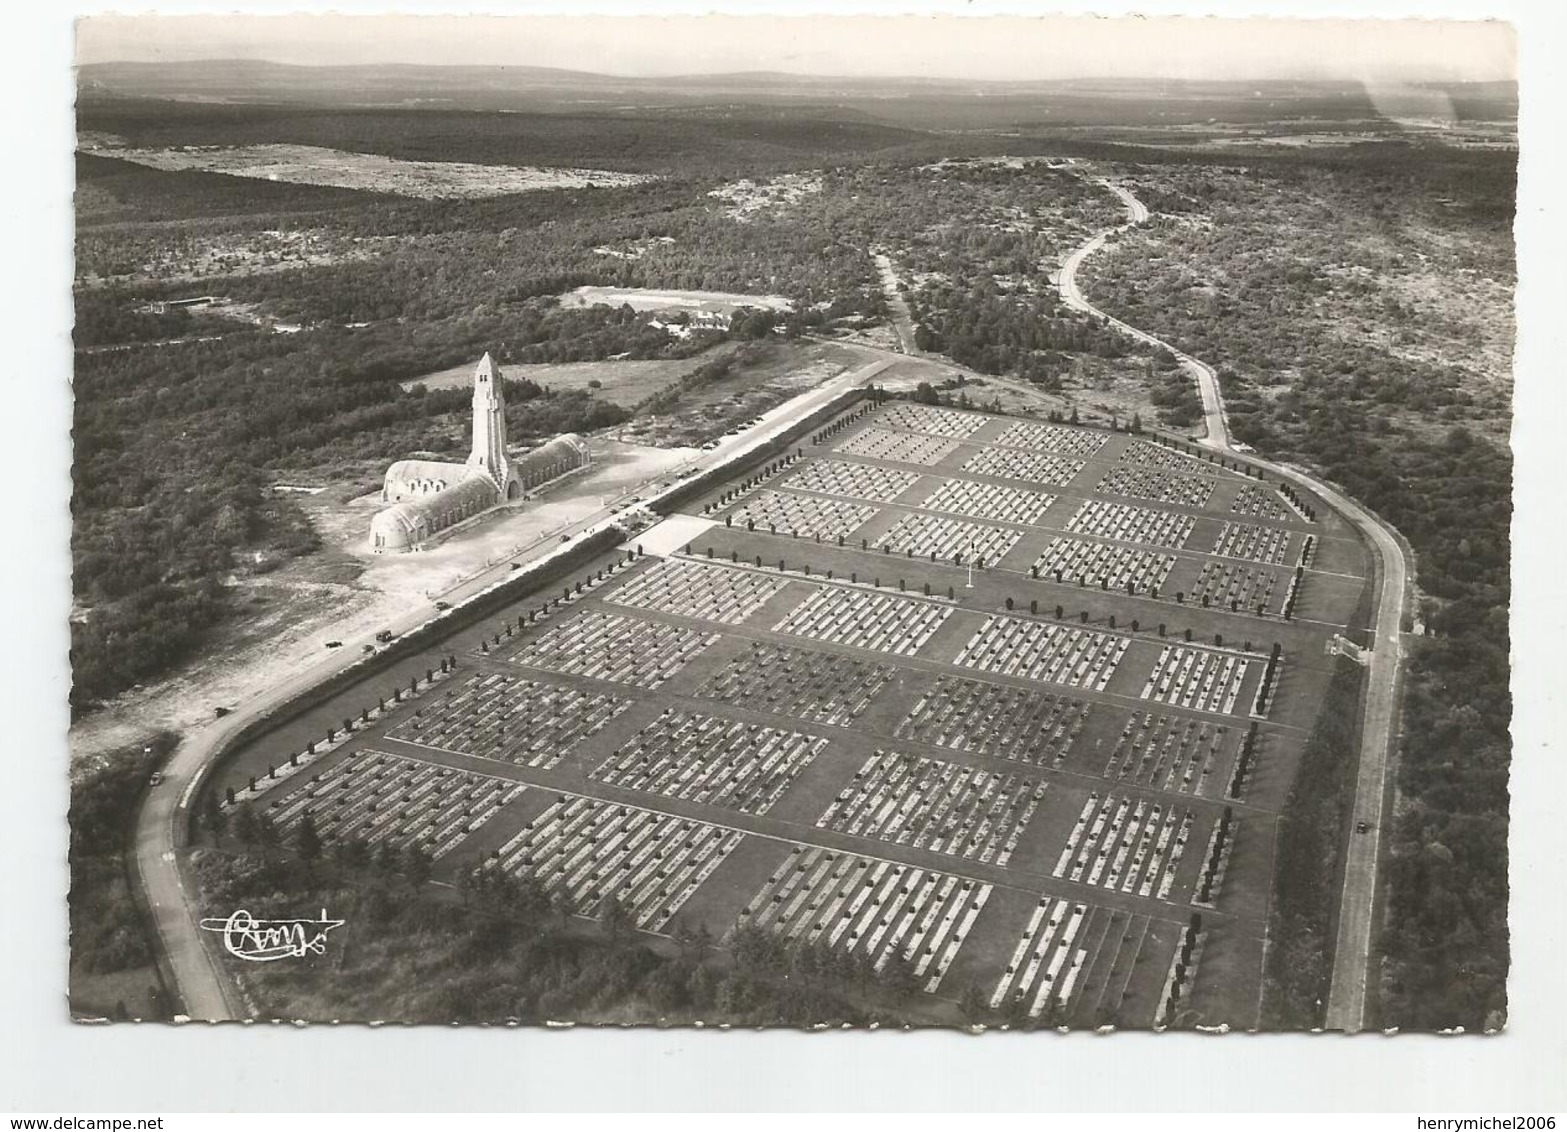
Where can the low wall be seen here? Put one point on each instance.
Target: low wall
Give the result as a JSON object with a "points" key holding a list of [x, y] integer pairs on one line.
{"points": [[687, 490], [460, 616]]}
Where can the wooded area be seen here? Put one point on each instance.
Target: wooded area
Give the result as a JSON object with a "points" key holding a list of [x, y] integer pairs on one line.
{"points": [[1246, 285], [1355, 300], [113, 970], [503, 948]]}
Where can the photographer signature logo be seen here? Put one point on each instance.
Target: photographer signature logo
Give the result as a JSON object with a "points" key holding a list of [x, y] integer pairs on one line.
{"points": [[262, 941]]}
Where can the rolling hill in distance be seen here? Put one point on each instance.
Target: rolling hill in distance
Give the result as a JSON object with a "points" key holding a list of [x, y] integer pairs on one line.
{"points": [[905, 101]]}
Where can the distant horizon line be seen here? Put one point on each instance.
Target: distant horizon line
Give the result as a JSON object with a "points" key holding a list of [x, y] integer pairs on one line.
{"points": [[930, 80]]}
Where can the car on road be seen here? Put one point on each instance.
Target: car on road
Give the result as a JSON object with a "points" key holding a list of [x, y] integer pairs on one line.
{"points": [[443, 605], [334, 644], [1362, 826], [385, 635]]}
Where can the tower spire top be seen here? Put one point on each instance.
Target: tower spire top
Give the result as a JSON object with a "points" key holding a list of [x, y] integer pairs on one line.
{"points": [[489, 424]]}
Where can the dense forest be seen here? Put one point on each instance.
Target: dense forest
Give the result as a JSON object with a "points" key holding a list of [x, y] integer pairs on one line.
{"points": [[1236, 273], [504, 948], [737, 139], [179, 428], [164, 511], [1355, 299], [112, 966]]}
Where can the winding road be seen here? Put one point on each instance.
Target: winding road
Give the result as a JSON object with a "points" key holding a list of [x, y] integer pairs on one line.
{"points": [[1346, 1005], [1218, 431], [206, 994]]}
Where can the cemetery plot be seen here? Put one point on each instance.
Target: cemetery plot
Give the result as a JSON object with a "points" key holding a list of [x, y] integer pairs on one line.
{"points": [[652, 863], [809, 686], [1148, 483], [614, 647], [943, 538], [717, 762], [1093, 563], [951, 423], [940, 806], [375, 797], [1036, 650], [988, 501], [1249, 588], [1147, 455], [866, 620], [510, 718], [804, 516], [1254, 543], [1168, 753], [879, 909], [1032, 467], [1123, 522], [900, 447], [1023, 724], [1048, 960], [856, 481], [1260, 503], [1126, 845], [1199, 679], [1050, 438], [695, 589]]}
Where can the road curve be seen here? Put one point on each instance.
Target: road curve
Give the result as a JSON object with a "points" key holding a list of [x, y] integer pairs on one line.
{"points": [[1346, 1006], [1218, 431], [203, 990]]}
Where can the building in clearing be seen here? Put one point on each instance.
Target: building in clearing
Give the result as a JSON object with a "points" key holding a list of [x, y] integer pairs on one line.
{"points": [[427, 496]]}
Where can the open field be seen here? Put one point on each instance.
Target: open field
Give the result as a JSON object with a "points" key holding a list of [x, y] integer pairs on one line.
{"points": [[1348, 275], [860, 749], [644, 299], [348, 593], [626, 382], [764, 376], [318, 165]]}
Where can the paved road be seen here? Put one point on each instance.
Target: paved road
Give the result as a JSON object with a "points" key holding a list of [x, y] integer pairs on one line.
{"points": [[1218, 431], [897, 305], [1346, 1007], [202, 989]]}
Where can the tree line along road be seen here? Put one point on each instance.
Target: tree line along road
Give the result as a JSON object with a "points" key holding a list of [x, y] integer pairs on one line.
{"points": [[187, 954], [1346, 1006], [206, 994]]}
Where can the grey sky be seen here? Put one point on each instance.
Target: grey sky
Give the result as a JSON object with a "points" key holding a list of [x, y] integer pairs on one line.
{"points": [[934, 46]]}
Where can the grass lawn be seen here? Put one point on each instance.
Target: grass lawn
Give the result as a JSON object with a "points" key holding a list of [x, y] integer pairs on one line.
{"points": [[626, 382]]}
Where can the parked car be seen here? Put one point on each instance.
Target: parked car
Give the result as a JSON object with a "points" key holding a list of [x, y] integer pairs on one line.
{"points": [[385, 635], [443, 605], [157, 777]]}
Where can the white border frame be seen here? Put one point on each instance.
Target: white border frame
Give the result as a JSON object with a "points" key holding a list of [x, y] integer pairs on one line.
{"points": [[49, 1063]]}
